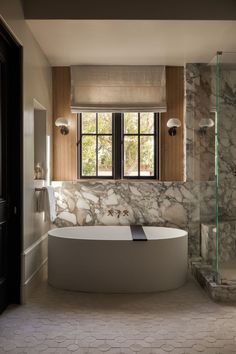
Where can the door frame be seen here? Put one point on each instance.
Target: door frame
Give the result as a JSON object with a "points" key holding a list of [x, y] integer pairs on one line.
{"points": [[15, 165]]}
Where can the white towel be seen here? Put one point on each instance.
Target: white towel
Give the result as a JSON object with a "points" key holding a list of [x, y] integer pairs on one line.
{"points": [[47, 203]]}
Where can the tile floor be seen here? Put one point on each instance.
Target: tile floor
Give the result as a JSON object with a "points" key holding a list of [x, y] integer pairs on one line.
{"points": [[181, 321]]}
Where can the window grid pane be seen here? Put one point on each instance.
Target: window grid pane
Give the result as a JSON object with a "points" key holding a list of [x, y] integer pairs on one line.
{"points": [[147, 123], [89, 123], [104, 155], [104, 125], [131, 164], [131, 121], [145, 147], [88, 155], [147, 155]]}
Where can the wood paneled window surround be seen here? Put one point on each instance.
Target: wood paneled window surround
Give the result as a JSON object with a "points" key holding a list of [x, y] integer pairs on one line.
{"points": [[118, 145], [110, 145]]}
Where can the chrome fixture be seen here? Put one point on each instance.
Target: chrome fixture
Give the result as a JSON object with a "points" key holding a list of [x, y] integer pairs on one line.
{"points": [[173, 124], [204, 124], [63, 124]]}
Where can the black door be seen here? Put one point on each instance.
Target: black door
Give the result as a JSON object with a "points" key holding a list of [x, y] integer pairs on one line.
{"points": [[10, 169], [4, 69]]}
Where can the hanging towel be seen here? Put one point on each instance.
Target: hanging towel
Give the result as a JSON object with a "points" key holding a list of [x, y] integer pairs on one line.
{"points": [[47, 203]]}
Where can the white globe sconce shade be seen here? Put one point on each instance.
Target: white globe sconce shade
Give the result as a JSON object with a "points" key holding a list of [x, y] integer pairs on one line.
{"points": [[173, 124], [63, 124], [204, 124]]}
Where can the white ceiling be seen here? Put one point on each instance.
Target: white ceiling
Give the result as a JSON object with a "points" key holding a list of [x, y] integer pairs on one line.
{"points": [[132, 42]]}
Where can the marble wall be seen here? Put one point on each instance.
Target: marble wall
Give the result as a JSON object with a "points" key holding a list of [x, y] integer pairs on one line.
{"points": [[227, 249], [201, 102], [200, 162], [200, 146], [227, 142]]}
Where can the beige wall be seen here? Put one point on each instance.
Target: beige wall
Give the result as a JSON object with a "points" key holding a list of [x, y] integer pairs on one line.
{"points": [[36, 86]]}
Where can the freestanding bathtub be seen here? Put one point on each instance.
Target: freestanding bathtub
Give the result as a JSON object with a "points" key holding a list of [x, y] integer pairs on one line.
{"points": [[106, 259]]}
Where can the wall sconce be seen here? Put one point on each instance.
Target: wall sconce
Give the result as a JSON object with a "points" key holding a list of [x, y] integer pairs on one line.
{"points": [[173, 124], [204, 124], [63, 124]]}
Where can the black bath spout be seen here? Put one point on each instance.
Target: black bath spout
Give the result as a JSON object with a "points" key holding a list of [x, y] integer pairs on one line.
{"points": [[138, 233]]}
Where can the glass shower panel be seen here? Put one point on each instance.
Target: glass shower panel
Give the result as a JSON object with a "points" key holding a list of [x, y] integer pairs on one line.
{"points": [[204, 122], [225, 233]]}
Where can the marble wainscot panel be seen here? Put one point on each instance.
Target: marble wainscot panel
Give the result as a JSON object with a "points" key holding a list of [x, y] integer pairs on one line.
{"points": [[226, 139], [200, 148], [227, 237], [207, 201], [227, 124], [200, 145], [125, 203]]}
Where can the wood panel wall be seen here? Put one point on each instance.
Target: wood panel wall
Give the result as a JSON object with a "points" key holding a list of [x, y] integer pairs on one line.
{"points": [[64, 146], [172, 147], [65, 149]]}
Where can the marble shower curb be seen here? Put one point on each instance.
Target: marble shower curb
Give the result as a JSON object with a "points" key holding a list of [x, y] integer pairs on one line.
{"points": [[205, 276]]}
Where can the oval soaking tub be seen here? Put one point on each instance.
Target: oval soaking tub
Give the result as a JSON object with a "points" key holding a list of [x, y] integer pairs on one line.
{"points": [[106, 259]]}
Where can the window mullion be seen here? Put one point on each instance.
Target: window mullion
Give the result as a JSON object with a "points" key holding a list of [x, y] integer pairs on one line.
{"points": [[96, 144], [118, 138], [139, 145], [156, 145], [79, 137]]}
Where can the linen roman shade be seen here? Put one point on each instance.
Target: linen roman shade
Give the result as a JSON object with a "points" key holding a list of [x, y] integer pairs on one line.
{"points": [[118, 88]]}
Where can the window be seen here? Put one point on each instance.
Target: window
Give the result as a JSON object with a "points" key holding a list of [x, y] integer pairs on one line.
{"points": [[118, 145]]}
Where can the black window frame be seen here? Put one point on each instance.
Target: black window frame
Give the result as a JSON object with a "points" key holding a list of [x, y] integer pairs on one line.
{"points": [[118, 148]]}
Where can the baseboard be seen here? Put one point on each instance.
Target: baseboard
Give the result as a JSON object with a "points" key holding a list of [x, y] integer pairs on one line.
{"points": [[34, 266], [39, 276]]}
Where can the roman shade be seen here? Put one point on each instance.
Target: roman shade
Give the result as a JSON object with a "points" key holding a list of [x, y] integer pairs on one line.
{"points": [[118, 88]]}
